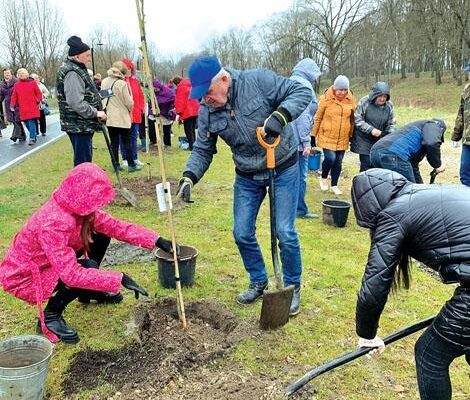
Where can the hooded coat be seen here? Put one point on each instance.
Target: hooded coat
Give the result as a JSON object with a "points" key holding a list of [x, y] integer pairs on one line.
{"points": [[369, 115], [184, 106], [44, 250], [26, 96], [431, 223], [119, 106], [166, 100], [305, 72], [334, 121]]}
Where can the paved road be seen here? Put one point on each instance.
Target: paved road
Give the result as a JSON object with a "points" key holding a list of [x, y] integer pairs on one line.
{"points": [[12, 153]]}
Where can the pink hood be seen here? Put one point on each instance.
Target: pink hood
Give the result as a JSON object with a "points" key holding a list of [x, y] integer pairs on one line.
{"points": [[84, 190]]}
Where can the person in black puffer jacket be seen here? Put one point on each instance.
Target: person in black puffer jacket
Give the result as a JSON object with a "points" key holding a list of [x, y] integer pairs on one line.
{"points": [[430, 223], [373, 119]]}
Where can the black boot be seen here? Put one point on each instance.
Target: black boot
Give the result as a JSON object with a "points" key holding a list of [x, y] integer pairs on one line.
{"points": [[295, 304], [53, 314], [253, 293], [100, 297]]}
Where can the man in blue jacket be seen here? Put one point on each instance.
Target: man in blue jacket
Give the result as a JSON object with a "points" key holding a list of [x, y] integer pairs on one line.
{"points": [[403, 150], [234, 103]]}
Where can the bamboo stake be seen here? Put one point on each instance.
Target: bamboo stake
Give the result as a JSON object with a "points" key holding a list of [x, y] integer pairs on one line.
{"points": [[158, 123]]}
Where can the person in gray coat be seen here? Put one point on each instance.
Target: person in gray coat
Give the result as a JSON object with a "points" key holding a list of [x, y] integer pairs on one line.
{"points": [[305, 72], [430, 223], [234, 103], [374, 118]]}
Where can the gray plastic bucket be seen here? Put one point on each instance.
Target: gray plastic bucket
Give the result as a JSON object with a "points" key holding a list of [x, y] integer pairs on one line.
{"points": [[24, 362]]}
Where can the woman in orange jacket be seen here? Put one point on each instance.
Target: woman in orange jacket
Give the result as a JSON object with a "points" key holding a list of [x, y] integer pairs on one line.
{"points": [[332, 128]]}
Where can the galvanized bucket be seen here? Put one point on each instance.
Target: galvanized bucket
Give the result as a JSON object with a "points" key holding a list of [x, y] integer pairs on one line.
{"points": [[24, 362]]}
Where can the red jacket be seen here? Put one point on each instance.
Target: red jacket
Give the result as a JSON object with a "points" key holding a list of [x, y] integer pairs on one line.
{"points": [[44, 250], [27, 95], [139, 99], [185, 107]]}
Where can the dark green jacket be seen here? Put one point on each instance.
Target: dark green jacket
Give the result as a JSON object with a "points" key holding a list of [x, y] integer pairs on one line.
{"points": [[78, 111]]}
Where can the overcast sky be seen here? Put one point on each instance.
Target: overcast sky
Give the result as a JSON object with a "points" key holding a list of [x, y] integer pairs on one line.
{"points": [[176, 27]]}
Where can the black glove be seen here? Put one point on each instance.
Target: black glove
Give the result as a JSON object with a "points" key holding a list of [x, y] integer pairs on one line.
{"points": [[167, 246], [313, 142], [130, 284], [184, 189], [275, 122]]}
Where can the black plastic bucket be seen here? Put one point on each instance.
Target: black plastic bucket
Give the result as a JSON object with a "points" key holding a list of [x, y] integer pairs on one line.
{"points": [[186, 264], [335, 212]]}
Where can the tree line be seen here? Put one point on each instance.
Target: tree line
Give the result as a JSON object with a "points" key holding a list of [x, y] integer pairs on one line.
{"points": [[359, 38]]}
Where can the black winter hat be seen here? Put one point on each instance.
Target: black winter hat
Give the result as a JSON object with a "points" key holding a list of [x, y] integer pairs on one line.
{"points": [[76, 46]]}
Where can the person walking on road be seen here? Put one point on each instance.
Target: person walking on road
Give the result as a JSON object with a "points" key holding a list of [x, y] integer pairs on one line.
{"points": [[80, 106], [431, 224], [43, 106], [234, 104], [6, 90], [27, 96]]}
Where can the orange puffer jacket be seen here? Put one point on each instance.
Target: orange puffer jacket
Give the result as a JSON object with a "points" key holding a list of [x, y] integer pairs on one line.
{"points": [[334, 121]]}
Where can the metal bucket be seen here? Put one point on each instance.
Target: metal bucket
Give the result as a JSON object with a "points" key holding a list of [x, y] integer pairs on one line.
{"points": [[24, 362]]}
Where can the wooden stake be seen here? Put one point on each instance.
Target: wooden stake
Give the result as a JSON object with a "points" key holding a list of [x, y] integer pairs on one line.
{"points": [[158, 123]]}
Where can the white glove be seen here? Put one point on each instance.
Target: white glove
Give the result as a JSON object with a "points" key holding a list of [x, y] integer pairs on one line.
{"points": [[152, 117], [455, 144], [377, 343]]}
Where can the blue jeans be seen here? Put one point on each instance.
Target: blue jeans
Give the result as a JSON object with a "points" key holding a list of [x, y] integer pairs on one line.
{"points": [[384, 158], [134, 134], [302, 207], [248, 196], [465, 165], [82, 147], [31, 127], [332, 161], [433, 357]]}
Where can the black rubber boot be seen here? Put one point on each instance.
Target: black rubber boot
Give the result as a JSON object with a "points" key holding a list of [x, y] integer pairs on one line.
{"points": [[86, 296], [53, 315], [295, 304], [253, 293]]}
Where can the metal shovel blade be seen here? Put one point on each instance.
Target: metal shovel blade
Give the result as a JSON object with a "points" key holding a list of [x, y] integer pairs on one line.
{"points": [[275, 308], [128, 196]]}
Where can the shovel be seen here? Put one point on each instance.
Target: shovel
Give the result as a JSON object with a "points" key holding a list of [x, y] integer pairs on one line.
{"points": [[348, 357], [276, 303], [126, 193]]}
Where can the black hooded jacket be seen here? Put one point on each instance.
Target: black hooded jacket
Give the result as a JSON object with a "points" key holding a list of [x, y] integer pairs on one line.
{"points": [[431, 223]]}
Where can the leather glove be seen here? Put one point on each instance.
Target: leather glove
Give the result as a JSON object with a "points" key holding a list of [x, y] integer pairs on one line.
{"points": [[130, 284], [313, 142], [274, 124], [376, 343], [185, 186], [167, 246]]}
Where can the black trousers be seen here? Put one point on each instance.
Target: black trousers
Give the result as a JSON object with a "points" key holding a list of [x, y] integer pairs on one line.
{"points": [[152, 132], [167, 135], [142, 127], [115, 134], [41, 122], [64, 294], [190, 130]]}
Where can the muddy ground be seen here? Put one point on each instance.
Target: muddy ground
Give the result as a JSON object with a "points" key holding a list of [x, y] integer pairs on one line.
{"points": [[166, 362]]}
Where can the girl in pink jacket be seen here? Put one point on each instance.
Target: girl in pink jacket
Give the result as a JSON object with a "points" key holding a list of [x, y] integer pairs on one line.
{"points": [[43, 262]]}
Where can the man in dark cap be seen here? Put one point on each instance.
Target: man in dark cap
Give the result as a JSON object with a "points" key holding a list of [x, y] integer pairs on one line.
{"points": [[79, 102]]}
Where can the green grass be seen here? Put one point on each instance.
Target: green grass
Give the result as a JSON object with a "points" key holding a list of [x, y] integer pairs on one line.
{"points": [[333, 261]]}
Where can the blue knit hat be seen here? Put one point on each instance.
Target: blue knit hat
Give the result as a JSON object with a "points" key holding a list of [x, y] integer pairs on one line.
{"points": [[201, 72]]}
